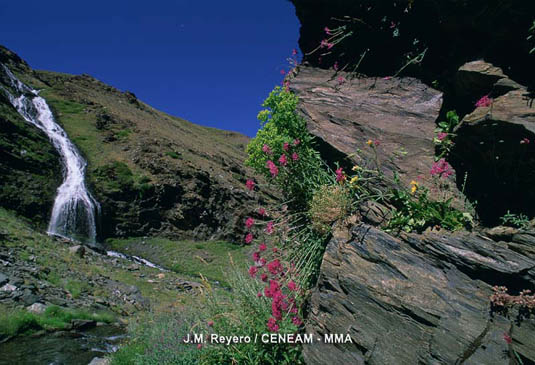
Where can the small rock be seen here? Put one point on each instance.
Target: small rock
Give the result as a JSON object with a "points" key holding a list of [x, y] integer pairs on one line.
{"points": [[8, 288], [77, 250], [82, 324], [36, 308]]}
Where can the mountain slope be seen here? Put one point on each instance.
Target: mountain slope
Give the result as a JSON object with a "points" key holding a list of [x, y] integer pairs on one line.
{"points": [[151, 172]]}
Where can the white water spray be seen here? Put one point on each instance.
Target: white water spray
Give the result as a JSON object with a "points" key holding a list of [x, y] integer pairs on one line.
{"points": [[73, 214]]}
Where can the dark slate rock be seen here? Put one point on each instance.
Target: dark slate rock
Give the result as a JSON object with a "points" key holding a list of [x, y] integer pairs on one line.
{"points": [[418, 299]]}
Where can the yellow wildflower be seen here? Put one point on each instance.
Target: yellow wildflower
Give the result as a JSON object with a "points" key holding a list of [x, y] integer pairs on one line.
{"points": [[353, 180], [369, 142], [414, 186], [355, 168]]}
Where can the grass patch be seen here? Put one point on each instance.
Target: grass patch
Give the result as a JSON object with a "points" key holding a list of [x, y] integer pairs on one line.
{"points": [[173, 154], [211, 258], [15, 322]]}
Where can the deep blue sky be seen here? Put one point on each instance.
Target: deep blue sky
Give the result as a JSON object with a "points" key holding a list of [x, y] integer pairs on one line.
{"points": [[210, 62]]}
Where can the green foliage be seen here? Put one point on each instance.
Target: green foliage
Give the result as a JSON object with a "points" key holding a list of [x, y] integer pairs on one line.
{"points": [[115, 177], [173, 154], [515, 220], [209, 258], [445, 131], [158, 339], [66, 106], [281, 124], [75, 287], [418, 212], [18, 322]]}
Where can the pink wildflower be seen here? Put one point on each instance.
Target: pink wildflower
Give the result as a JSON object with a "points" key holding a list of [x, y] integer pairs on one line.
{"points": [[256, 256], [249, 184], [341, 80], [340, 176], [442, 135], [252, 271], [249, 238], [292, 286], [262, 247], [484, 101], [274, 267], [283, 160], [266, 149], [327, 31], [376, 142], [249, 222], [272, 325], [524, 141], [297, 321], [199, 346], [262, 261], [286, 146], [507, 338], [210, 323], [261, 212], [335, 67], [294, 52], [323, 43], [296, 142], [263, 277], [441, 168], [330, 45], [273, 169], [387, 78], [392, 25], [259, 294], [269, 227], [275, 249], [295, 156]]}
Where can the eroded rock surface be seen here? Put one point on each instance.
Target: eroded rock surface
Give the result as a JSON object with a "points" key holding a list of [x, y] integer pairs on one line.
{"points": [[420, 299], [399, 113]]}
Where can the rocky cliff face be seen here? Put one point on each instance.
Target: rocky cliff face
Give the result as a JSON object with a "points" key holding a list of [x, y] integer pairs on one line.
{"points": [[151, 172], [420, 299], [412, 298]]}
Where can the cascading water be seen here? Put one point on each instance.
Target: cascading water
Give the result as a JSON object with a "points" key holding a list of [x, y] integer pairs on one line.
{"points": [[73, 214]]}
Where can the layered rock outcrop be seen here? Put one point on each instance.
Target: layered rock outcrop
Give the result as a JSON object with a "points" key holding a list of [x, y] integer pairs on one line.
{"points": [[420, 299], [400, 114]]}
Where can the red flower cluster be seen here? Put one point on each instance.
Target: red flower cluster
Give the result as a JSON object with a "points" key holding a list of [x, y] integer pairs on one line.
{"points": [[442, 169], [283, 159], [484, 101], [340, 175]]}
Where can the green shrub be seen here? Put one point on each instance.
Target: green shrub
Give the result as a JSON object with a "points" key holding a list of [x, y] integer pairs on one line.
{"points": [[515, 220], [416, 212], [280, 125], [115, 177]]}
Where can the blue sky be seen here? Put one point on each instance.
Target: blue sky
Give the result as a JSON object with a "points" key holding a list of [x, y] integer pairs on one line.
{"points": [[211, 62]]}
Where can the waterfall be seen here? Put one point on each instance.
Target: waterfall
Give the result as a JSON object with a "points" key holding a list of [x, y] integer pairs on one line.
{"points": [[74, 210]]}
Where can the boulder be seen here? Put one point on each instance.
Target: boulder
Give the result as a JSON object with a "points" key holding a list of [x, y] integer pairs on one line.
{"points": [[82, 324], [418, 299], [37, 308], [100, 361], [77, 250], [8, 288]]}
